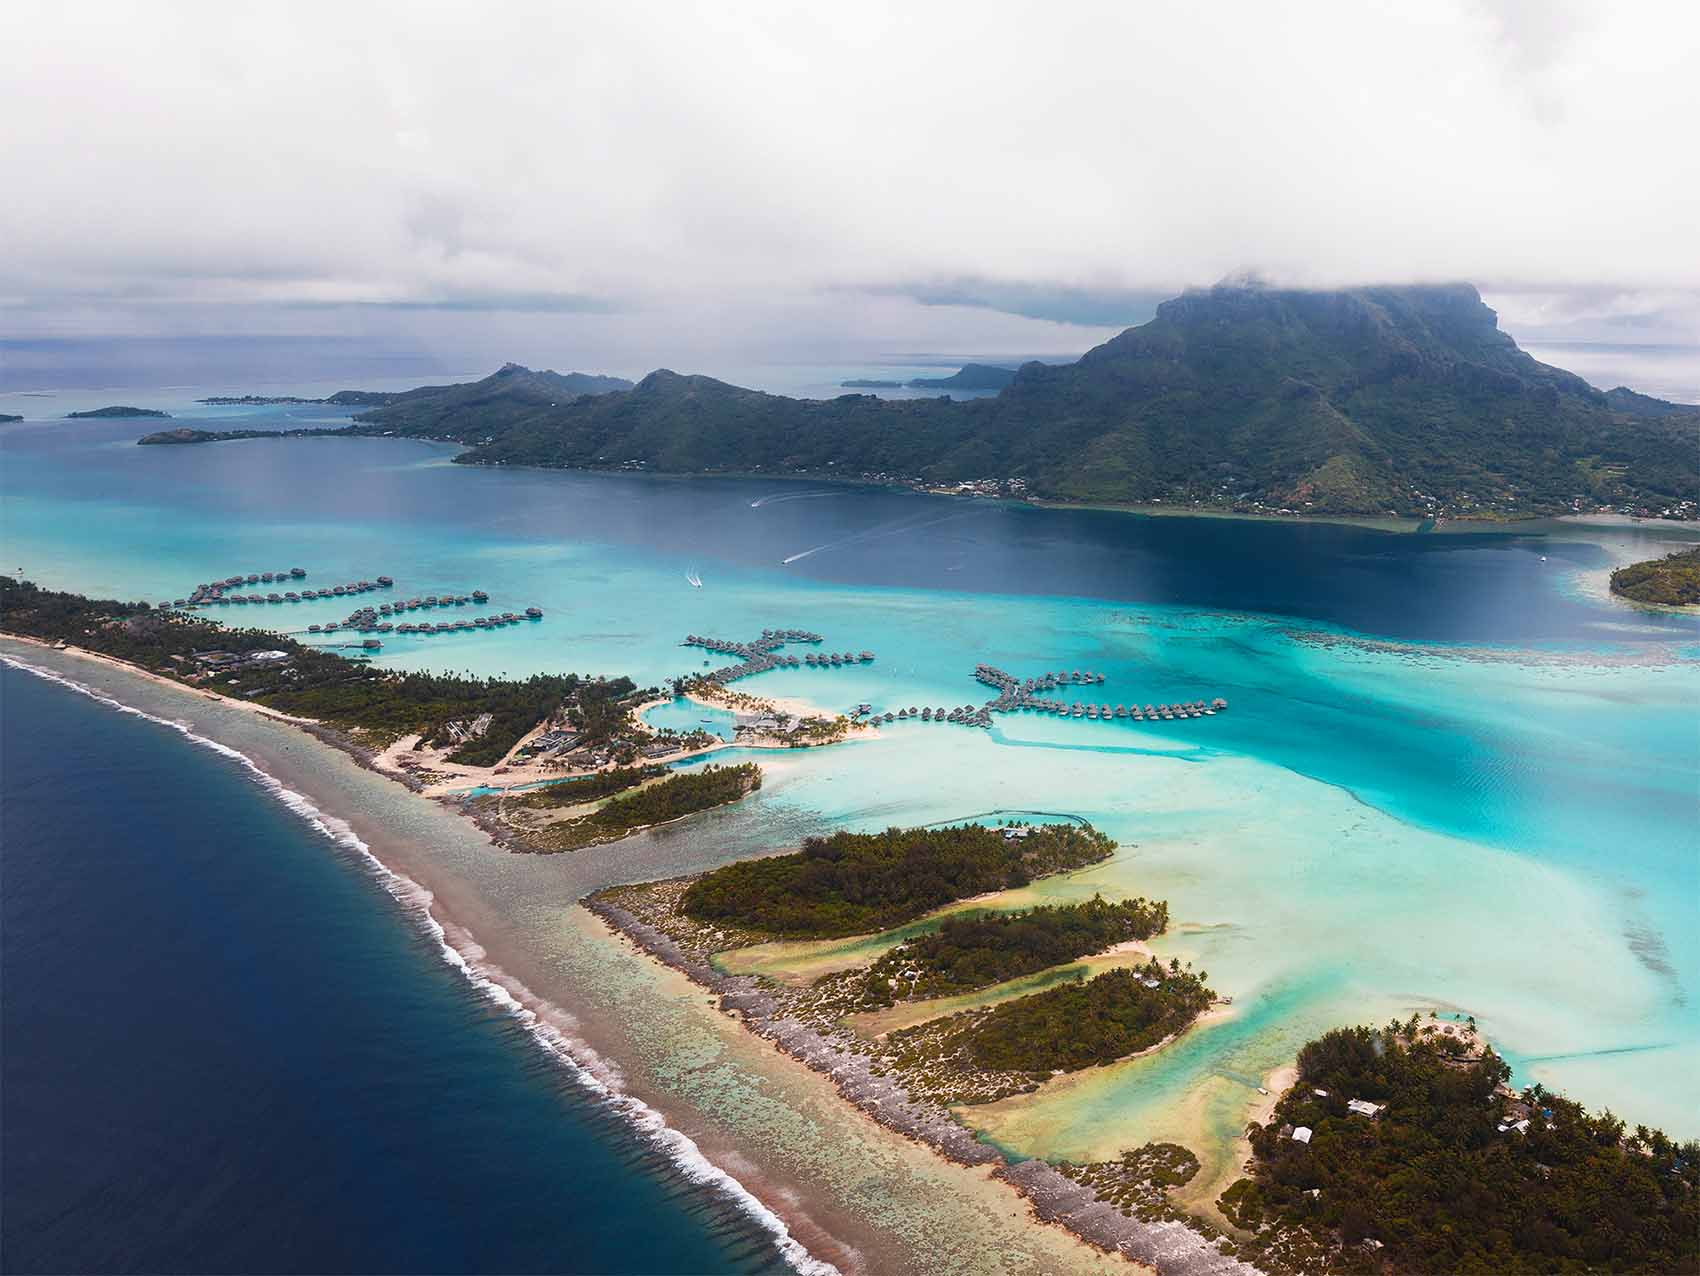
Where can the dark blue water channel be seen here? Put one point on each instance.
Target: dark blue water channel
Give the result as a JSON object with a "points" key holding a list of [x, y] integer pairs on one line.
{"points": [[227, 1050]]}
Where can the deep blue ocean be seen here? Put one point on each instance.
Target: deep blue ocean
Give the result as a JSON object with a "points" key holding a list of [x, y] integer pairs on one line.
{"points": [[222, 1053]]}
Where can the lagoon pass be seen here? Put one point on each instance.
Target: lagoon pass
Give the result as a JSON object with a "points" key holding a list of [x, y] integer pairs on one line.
{"points": [[1453, 775]]}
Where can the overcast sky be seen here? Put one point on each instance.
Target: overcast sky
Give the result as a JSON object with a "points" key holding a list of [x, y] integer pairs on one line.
{"points": [[659, 179]]}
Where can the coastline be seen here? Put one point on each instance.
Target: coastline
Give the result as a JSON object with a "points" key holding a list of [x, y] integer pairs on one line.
{"points": [[1170, 1247], [816, 1231], [1453, 525]]}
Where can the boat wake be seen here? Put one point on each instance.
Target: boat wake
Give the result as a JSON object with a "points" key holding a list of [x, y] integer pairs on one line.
{"points": [[780, 498], [548, 1026]]}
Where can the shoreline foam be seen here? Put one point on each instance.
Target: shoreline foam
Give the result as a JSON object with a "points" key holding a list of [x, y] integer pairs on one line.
{"points": [[837, 1222], [1170, 1247], [581, 1062]]}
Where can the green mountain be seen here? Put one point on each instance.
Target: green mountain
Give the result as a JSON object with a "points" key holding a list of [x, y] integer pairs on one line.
{"points": [[973, 376], [1407, 399], [508, 396]]}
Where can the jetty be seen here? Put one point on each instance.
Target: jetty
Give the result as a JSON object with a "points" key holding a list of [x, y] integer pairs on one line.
{"points": [[1033, 695], [759, 655], [381, 618]]}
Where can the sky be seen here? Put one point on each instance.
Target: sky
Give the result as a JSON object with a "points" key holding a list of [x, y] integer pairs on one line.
{"points": [[626, 185]]}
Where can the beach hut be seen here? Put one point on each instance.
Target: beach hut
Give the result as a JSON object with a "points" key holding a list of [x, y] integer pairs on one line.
{"points": [[1302, 1134]]}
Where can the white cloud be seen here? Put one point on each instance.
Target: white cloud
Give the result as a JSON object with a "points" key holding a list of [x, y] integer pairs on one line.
{"points": [[755, 161]]}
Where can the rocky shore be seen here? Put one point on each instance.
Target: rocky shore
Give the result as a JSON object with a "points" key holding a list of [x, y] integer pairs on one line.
{"points": [[1169, 1246]]}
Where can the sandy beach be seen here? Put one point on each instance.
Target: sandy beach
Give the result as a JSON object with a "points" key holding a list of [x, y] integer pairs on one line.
{"points": [[852, 1193]]}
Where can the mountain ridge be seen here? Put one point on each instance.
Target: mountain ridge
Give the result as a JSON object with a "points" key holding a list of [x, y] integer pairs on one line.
{"points": [[1398, 399]]}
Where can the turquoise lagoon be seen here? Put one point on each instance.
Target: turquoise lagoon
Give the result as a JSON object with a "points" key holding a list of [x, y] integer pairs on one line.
{"points": [[1452, 777]]}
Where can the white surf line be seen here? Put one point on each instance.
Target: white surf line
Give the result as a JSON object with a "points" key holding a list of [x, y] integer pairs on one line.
{"points": [[583, 1063]]}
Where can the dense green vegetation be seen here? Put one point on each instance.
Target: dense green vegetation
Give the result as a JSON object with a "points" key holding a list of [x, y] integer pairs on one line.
{"points": [[588, 788], [1138, 1182], [971, 952], [1362, 401], [1434, 1184], [854, 883], [683, 793], [185, 434], [1081, 1025], [316, 684], [1673, 580], [115, 410], [401, 704]]}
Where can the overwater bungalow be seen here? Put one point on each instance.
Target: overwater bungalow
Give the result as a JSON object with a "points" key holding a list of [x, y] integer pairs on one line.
{"points": [[298, 572], [479, 596], [535, 613], [253, 578], [266, 576], [385, 581], [312, 629], [292, 596], [867, 656], [371, 644]]}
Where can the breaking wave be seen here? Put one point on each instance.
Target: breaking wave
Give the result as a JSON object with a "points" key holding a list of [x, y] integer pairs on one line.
{"points": [[546, 1025]]}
